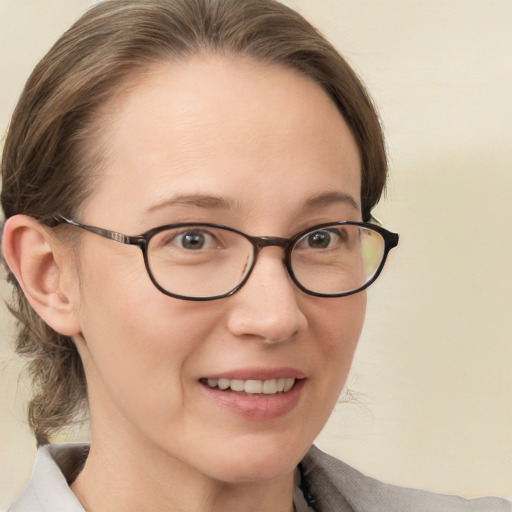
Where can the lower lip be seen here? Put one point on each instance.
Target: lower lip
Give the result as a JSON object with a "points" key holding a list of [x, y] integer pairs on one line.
{"points": [[258, 407]]}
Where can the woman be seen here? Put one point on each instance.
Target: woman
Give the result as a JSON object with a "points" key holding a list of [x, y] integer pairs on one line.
{"points": [[223, 139]]}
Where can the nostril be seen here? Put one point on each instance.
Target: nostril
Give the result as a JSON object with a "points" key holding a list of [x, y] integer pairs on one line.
{"points": [[267, 317]]}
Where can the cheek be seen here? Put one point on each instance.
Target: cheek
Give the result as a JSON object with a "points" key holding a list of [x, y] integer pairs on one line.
{"points": [[340, 320], [139, 368], [137, 342], [334, 329], [338, 325]]}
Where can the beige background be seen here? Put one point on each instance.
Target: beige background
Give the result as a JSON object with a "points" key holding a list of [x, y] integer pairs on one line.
{"points": [[434, 366]]}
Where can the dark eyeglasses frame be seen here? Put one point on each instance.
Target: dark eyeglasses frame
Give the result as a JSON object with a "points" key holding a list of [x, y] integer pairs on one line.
{"points": [[258, 243]]}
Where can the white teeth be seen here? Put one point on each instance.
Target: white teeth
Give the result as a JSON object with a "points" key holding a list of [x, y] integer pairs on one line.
{"points": [[237, 385], [257, 387], [288, 384], [223, 383], [253, 386], [269, 387]]}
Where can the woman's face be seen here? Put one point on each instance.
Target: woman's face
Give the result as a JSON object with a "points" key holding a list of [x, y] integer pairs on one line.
{"points": [[258, 148]]}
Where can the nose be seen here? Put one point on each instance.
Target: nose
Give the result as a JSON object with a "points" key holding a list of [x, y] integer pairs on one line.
{"points": [[266, 307]]}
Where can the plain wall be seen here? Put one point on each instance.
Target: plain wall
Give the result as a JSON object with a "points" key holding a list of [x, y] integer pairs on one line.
{"points": [[433, 372]]}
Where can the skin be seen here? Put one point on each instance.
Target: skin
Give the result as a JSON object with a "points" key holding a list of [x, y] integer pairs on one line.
{"points": [[266, 140]]}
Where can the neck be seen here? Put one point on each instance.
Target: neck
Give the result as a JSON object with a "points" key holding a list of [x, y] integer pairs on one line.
{"points": [[120, 477]]}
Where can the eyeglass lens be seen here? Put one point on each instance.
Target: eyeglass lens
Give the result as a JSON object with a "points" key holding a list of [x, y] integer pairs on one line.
{"points": [[204, 261], [337, 259]]}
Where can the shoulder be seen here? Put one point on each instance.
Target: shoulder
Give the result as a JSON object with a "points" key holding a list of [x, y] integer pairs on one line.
{"points": [[335, 486], [48, 489]]}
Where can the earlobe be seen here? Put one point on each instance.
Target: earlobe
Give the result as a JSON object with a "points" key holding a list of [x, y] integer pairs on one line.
{"points": [[36, 258]]}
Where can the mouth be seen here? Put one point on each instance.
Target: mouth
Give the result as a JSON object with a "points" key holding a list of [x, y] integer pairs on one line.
{"points": [[264, 394], [251, 387]]}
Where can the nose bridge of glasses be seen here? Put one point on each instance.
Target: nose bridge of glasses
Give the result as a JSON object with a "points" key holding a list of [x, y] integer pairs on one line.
{"points": [[260, 242]]}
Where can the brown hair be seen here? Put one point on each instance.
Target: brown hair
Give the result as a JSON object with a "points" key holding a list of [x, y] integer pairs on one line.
{"points": [[48, 164]]}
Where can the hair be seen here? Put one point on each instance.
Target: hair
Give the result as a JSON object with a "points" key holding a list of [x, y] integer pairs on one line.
{"points": [[48, 162]]}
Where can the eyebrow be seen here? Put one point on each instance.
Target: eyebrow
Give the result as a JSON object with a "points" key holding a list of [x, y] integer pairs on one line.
{"points": [[328, 198], [223, 203], [199, 200]]}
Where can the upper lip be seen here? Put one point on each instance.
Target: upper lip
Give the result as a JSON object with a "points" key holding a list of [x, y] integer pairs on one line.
{"points": [[258, 374]]}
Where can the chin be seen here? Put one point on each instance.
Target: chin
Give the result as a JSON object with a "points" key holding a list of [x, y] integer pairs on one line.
{"points": [[258, 460]]}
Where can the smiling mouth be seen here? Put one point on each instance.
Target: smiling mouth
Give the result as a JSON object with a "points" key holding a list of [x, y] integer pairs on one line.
{"points": [[251, 387]]}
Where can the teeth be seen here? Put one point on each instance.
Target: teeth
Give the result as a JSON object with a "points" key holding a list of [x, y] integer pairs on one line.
{"points": [[237, 385], [257, 387], [288, 384], [269, 387], [252, 386]]}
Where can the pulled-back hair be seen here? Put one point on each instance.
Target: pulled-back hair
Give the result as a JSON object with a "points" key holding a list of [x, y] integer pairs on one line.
{"points": [[49, 160]]}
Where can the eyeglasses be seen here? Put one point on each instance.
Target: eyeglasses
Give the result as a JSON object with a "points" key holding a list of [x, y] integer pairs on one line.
{"points": [[207, 261]]}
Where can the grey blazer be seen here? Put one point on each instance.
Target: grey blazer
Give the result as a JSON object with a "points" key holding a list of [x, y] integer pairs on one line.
{"points": [[328, 486]]}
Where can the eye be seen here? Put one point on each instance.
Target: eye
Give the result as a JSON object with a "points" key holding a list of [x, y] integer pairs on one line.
{"points": [[321, 239], [193, 240]]}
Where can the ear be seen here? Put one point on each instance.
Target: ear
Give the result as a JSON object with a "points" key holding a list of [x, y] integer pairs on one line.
{"points": [[43, 268]]}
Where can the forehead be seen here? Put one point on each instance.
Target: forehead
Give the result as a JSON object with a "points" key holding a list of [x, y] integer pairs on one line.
{"points": [[233, 126]]}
